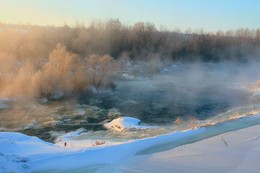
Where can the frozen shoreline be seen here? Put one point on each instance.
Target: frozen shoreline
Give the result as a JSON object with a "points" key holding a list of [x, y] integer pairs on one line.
{"points": [[21, 153], [237, 151]]}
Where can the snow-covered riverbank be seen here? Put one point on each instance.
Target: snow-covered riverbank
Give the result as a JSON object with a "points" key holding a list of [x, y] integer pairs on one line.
{"points": [[236, 151], [21, 153]]}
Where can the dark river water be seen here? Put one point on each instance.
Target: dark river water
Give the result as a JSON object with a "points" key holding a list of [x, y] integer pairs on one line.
{"points": [[157, 100], [156, 104]]}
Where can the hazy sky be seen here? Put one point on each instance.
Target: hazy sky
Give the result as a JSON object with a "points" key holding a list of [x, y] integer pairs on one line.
{"points": [[210, 15]]}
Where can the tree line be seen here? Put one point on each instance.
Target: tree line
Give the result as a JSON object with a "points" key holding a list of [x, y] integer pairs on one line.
{"points": [[136, 41], [39, 61]]}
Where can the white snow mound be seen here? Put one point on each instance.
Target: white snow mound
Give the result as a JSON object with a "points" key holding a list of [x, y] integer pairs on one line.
{"points": [[123, 123]]}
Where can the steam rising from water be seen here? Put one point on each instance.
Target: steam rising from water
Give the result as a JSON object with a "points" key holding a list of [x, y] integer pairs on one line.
{"points": [[189, 92], [157, 91], [63, 74]]}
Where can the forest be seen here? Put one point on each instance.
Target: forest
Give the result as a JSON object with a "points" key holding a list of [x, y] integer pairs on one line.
{"points": [[73, 59]]}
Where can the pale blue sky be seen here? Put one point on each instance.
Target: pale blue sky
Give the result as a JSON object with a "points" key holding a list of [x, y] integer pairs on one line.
{"points": [[210, 15]]}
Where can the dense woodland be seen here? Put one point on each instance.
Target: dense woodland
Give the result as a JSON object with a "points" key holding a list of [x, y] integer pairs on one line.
{"points": [[48, 61], [138, 41]]}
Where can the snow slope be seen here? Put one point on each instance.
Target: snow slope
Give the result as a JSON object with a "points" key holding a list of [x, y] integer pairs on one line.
{"points": [[16, 150], [22, 153], [232, 152]]}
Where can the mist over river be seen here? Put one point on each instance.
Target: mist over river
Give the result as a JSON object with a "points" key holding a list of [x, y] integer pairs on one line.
{"points": [[179, 97]]}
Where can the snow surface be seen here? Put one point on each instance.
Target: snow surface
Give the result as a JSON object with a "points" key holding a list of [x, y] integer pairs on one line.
{"points": [[123, 123], [72, 142], [17, 148], [22, 153], [232, 152]]}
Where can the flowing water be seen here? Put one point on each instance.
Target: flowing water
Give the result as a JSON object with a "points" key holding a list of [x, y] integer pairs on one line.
{"points": [[157, 101]]}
